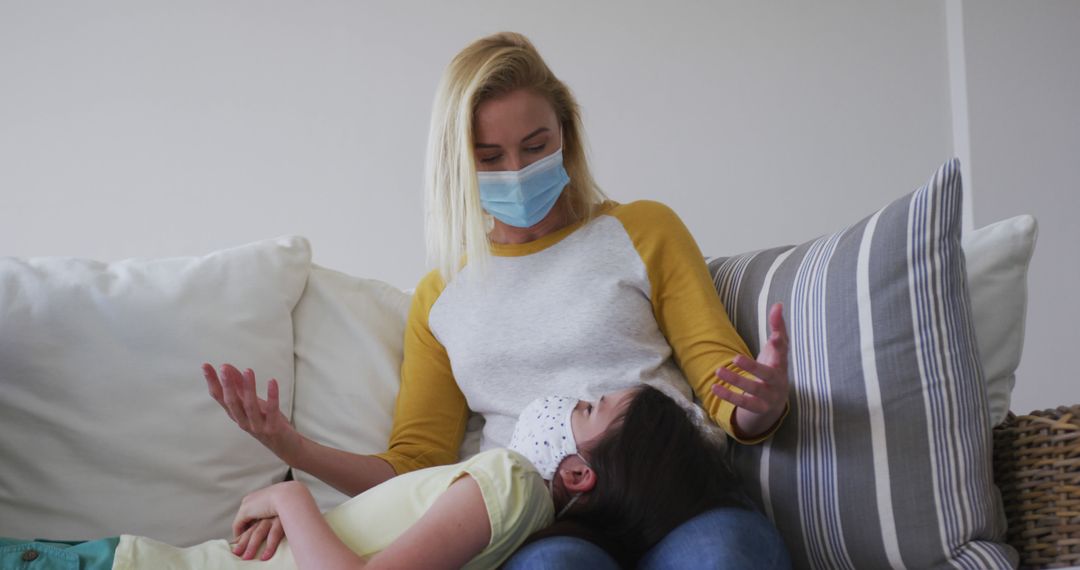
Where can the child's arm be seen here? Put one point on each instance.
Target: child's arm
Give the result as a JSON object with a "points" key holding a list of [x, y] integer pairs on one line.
{"points": [[453, 531], [313, 542]]}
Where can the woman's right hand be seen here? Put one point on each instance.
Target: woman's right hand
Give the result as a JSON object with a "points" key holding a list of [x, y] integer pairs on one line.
{"points": [[235, 392]]}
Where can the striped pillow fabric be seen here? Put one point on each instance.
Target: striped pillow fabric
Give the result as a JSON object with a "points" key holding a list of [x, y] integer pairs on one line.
{"points": [[885, 457]]}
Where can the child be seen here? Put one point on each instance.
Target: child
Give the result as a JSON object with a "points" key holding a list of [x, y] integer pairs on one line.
{"points": [[576, 461]]}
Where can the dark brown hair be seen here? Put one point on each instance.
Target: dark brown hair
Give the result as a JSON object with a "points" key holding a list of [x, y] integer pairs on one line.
{"points": [[655, 470]]}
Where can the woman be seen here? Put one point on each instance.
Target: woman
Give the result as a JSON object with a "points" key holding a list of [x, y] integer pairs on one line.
{"points": [[542, 285]]}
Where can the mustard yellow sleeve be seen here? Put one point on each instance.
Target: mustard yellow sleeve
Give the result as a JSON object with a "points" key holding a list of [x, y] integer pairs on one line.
{"points": [[430, 412], [687, 308]]}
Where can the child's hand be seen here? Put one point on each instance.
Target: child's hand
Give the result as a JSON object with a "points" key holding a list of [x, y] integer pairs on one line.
{"points": [[258, 505], [268, 530]]}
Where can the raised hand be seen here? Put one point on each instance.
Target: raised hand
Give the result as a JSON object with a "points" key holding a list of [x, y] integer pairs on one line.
{"points": [[764, 397], [235, 392]]}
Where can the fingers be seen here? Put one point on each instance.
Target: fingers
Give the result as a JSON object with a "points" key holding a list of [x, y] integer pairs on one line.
{"points": [[231, 383], [251, 401], [769, 386], [215, 385], [241, 542], [776, 319], [779, 337], [768, 373], [775, 352], [743, 400], [262, 528], [747, 385], [240, 524], [780, 344], [758, 369], [212, 382], [236, 392], [272, 404], [277, 532], [268, 531], [756, 396]]}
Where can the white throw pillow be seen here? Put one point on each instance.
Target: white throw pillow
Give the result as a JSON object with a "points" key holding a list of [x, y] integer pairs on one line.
{"points": [[107, 424], [349, 338], [997, 264]]}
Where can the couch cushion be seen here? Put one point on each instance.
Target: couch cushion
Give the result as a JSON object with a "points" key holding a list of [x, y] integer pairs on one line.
{"points": [[107, 424], [349, 335], [885, 457], [997, 265]]}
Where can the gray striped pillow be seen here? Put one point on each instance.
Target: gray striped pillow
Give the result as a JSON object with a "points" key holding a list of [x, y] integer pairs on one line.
{"points": [[885, 457]]}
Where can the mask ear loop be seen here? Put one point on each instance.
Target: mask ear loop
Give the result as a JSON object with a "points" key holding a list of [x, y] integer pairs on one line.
{"points": [[568, 505]]}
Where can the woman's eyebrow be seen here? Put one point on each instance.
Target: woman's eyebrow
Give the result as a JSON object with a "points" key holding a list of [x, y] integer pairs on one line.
{"points": [[527, 137], [531, 135]]}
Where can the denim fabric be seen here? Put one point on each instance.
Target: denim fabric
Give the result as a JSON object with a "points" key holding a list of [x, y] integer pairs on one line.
{"points": [[720, 538], [41, 554], [561, 553]]}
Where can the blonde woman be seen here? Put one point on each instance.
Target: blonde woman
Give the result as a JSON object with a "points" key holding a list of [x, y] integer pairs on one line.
{"points": [[543, 285]]}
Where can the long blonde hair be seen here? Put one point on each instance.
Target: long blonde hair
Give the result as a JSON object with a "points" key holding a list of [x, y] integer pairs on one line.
{"points": [[455, 224]]}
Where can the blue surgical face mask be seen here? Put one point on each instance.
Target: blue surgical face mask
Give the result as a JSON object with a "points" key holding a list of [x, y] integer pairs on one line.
{"points": [[521, 198]]}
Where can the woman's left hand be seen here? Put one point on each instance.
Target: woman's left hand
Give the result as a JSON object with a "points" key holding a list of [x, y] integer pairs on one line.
{"points": [[257, 505], [765, 396]]}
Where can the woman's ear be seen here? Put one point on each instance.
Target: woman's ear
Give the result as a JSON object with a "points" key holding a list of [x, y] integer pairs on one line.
{"points": [[577, 476]]}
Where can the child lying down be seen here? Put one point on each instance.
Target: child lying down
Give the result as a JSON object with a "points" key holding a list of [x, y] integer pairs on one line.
{"points": [[569, 460]]}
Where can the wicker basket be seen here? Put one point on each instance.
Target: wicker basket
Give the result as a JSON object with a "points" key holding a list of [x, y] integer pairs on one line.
{"points": [[1037, 468]]}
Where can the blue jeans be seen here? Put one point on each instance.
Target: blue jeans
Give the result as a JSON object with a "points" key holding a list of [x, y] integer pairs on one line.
{"points": [[720, 538]]}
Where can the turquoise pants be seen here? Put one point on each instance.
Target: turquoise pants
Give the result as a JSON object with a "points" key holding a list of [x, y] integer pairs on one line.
{"points": [[42, 554]]}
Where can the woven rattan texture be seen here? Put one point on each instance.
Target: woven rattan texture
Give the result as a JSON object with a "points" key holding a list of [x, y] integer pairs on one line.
{"points": [[1037, 468]]}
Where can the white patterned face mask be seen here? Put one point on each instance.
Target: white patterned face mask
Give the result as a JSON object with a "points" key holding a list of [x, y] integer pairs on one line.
{"points": [[543, 433]]}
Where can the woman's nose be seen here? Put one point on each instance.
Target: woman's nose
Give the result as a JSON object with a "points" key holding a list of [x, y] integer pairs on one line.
{"points": [[514, 162]]}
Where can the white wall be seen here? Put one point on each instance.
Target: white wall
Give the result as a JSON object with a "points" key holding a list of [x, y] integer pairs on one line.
{"points": [[155, 128], [1023, 85]]}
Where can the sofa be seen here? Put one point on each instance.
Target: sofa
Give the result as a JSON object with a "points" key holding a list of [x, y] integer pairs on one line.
{"points": [[106, 426]]}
